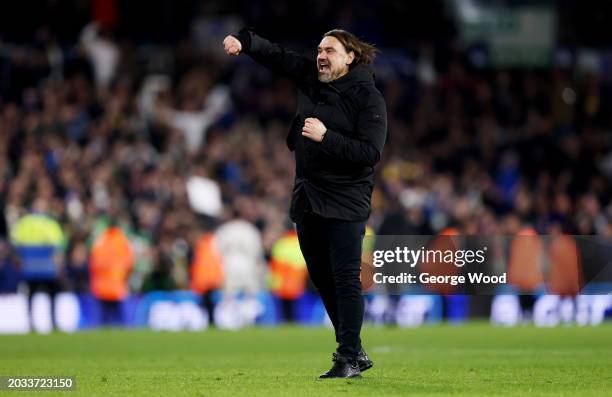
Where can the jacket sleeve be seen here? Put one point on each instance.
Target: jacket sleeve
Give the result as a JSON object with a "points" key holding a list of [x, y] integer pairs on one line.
{"points": [[275, 57], [371, 131]]}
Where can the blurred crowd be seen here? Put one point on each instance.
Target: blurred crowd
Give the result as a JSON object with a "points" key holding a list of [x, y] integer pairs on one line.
{"points": [[167, 145]]}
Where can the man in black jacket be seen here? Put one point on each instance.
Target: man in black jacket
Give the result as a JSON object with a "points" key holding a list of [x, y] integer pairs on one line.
{"points": [[338, 135]]}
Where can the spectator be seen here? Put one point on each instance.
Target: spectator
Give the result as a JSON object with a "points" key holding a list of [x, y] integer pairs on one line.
{"points": [[193, 119], [102, 53]]}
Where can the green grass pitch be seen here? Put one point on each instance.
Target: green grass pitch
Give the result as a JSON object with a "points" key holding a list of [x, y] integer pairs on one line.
{"points": [[468, 360]]}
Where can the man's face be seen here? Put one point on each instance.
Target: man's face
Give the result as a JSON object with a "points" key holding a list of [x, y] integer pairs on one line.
{"points": [[332, 60]]}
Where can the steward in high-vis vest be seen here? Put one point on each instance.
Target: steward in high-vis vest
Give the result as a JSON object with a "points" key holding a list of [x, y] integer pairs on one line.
{"points": [[207, 273], [565, 276], [367, 268], [110, 263], [39, 243], [525, 261], [38, 239], [446, 241], [288, 272]]}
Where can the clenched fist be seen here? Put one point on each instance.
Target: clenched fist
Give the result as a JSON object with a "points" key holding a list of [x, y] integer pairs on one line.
{"points": [[232, 46], [314, 129]]}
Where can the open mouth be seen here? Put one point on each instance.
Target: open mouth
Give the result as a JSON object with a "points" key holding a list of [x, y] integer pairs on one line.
{"points": [[323, 66]]}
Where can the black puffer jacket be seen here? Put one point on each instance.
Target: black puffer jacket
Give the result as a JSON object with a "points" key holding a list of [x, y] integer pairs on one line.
{"points": [[334, 177]]}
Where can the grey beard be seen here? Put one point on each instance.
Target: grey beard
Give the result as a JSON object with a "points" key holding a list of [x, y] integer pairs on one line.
{"points": [[332, 76]]}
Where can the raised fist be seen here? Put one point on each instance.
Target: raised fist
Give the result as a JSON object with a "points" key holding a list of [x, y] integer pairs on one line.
{"points": [[232, 46]]}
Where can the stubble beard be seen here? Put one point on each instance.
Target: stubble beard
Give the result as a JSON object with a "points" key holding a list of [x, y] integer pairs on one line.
{"points": [[329, 77]]}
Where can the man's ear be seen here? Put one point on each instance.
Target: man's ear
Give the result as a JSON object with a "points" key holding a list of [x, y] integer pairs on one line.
{"points": [[351, 57]]}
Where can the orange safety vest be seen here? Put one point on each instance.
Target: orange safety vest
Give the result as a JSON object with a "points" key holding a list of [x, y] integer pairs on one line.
{"points": [[288, 267], [565, 269], [110, 263], [442, 242], [207, 267], [525, 260]]}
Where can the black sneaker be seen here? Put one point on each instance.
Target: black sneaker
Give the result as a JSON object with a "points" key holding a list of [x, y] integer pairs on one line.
{"points": [[364, 362], [344, 367]]}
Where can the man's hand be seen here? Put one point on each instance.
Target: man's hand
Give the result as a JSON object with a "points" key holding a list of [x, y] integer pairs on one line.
{"points": [[314, 129], [232, 46]]}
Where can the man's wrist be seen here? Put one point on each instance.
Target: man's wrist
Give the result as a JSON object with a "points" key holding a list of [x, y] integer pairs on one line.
{"points": [[244, 36], [329, 139]]}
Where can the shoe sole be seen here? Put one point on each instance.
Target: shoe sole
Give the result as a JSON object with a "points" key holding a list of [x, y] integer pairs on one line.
{"points": [[340, 377], [366, 366]]}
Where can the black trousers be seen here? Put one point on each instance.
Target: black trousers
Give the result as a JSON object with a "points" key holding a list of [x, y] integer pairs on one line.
{"points": [[332, 249], [51, 287]]}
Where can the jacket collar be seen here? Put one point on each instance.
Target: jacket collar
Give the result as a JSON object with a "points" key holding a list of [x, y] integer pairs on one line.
{"points": [[360, 74]]}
